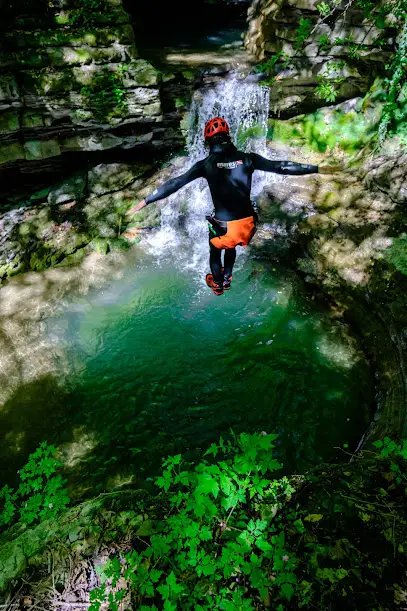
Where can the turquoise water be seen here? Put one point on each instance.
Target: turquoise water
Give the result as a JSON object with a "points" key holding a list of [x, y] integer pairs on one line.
{"points": [[156, 364], [160, 365]]}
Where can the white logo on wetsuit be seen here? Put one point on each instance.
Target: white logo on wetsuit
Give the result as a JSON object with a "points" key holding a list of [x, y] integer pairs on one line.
{"points": [[231, 165]]}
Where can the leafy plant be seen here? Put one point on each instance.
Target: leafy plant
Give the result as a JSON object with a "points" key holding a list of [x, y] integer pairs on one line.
{"points": [[326, 90], [228, 538], [397, 253], [398, 71], [389, 448], [303, 32], [388, 13], [91, 12], [324, 9], [354, 52], [324, 43], [268, 67], [106, 93], [222, 545], [41, 493]]}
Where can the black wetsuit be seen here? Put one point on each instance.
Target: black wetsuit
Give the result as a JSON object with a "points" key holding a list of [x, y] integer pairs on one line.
{"points": [[229, 174]]}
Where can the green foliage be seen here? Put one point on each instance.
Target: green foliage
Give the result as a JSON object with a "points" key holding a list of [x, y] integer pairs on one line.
{"points": [[234, 537], [280, 60], [106, 93], [90, 13], [397, 254], [41, 493], [303, 32], [398, 71], [322, 130], [222, 545], [326, 90], [388, 13], [352, 549], [324, 43], [324, 9], [388, 447]]}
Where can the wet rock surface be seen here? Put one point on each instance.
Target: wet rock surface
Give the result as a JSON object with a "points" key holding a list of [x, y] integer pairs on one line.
{"points": [[342, 233], [60, 224]]}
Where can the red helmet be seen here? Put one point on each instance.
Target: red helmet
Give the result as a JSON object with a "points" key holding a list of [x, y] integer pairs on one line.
{"points": [[217, 125]]}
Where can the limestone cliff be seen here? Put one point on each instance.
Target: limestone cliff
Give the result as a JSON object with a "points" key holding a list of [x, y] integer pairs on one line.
{"points": [[71, 80], [326, 52]]}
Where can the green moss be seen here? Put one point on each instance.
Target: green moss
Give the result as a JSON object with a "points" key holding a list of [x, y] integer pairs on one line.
{"points": [[73, 37], [322, 131], [106, 94], [244, 134], [11, 152], [74, 259], [180, 103], [100, 245], [397, 254], [286, 131], [119, 244], [43, 258], [9, 121]]}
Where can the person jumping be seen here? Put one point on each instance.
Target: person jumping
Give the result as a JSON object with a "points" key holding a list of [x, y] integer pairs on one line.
{"points": [[229, 174]]}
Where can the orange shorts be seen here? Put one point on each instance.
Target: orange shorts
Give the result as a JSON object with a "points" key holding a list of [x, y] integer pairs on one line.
{"points": [[239, 233]]}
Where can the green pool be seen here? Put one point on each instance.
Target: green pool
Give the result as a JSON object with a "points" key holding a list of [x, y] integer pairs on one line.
{"points": [[158, 365]]}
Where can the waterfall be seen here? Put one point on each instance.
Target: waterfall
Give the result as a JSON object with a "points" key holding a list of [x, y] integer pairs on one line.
{"points": [[245, 106]]}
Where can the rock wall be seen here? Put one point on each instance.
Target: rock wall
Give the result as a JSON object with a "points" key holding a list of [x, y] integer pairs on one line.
{"points": [[273, 26], [71, 80], [60, 224], [94, 529], [346, 238]]}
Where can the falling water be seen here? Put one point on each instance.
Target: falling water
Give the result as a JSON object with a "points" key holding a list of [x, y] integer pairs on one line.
{"points": [[245, 107]]}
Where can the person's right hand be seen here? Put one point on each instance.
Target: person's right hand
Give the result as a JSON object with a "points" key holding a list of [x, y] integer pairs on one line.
{"points": [[137, 208], [329, 169]]}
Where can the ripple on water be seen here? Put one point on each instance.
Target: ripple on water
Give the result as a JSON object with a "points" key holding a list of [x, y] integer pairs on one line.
{"points": [[153, 364]]}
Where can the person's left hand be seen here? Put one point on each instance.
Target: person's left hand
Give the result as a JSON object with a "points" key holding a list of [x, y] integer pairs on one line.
{"points": [[137, 208]]}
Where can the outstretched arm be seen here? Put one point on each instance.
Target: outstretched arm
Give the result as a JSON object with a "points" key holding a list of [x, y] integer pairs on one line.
{"points": [[171, 186], [282, 167]]}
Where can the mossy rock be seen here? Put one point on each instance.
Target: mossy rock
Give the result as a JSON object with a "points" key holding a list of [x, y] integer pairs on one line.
{"points": [[119, 244], [32, 120], [107, 178], [140, 73], [41, 149], [9, 121], [100, 245], [15, 267], [9, 90], [44, 258], [76, 37], [325, 129], [11, 152], [74, 259], [72, 188]]}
